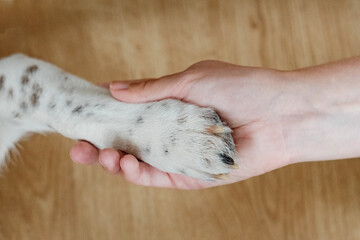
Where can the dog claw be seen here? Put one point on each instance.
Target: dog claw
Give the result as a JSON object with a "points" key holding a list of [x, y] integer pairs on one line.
{"points": [[226, 159], [224, 176], [216, 129], [234, 166]]}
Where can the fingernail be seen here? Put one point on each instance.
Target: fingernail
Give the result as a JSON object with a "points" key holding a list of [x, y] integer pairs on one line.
{"points": [[119, 86]]}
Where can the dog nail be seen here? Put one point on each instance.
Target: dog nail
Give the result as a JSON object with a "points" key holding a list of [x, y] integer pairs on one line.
{"points": [[235, 166], [226, 159], [218, 129], [224, 176]]}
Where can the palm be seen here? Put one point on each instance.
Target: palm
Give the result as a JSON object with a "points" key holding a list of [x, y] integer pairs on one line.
{"points": [[259, 141], [259, 147]]}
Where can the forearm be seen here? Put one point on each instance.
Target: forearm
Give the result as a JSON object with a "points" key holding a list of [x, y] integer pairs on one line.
{"points": [[325, 124]]}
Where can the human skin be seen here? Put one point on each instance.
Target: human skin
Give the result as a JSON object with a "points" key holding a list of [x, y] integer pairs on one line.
{"points": [[277, 117]]}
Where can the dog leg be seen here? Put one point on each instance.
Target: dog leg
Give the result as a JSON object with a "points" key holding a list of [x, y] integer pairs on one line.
{"points": [[169, 134]]}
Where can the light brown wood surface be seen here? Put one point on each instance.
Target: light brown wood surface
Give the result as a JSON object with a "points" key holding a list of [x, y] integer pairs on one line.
{"points": [[44, 195]]}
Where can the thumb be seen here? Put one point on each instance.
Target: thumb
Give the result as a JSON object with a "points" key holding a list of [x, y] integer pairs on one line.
{"points": [[146, 90]]}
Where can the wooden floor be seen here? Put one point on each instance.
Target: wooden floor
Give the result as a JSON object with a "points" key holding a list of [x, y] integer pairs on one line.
{"points": [[44, 195]]}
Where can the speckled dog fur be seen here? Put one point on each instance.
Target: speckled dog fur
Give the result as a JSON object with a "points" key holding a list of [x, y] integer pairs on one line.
{"points": [[170, 135]]}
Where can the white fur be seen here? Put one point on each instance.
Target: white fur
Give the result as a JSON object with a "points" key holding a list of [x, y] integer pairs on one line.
{"points": [[36, 96]]}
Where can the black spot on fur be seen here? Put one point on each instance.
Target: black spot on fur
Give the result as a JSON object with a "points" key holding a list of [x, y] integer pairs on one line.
{"points": [[140, 120], [182, 120], [166, 150], [226, 159], [16, 115], [52, 105], [77, 109], [68, 103], [31, 69], [182, 171], [173, 140], [165, 104], [66, 78], [10, 93], [34, 98], [148, 149], [99, 105], [23, 106], [207, 161], [25, 80], [2, 82], [36, 87]]}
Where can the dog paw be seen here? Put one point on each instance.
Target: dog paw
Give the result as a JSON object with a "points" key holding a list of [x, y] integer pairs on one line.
{"points": [[180, 138]]}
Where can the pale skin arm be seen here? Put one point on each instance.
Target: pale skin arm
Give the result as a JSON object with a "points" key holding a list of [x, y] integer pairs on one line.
{"points": [[278, 118], [328, 127]]}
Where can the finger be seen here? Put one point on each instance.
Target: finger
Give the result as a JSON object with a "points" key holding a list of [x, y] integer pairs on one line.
{"points": [[130, 168], [141, 173], [123, 84], [84, 153], [150, 90], [110, 160]]}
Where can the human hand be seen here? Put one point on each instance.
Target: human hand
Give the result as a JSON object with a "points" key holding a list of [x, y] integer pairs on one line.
{"points": [[247, 99]]}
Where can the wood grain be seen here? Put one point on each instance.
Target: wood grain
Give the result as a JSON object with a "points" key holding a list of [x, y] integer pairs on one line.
{"points": [[43, 195]]}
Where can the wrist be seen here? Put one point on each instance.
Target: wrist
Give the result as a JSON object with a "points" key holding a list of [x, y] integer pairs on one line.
{"points": [[322, 117]]}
